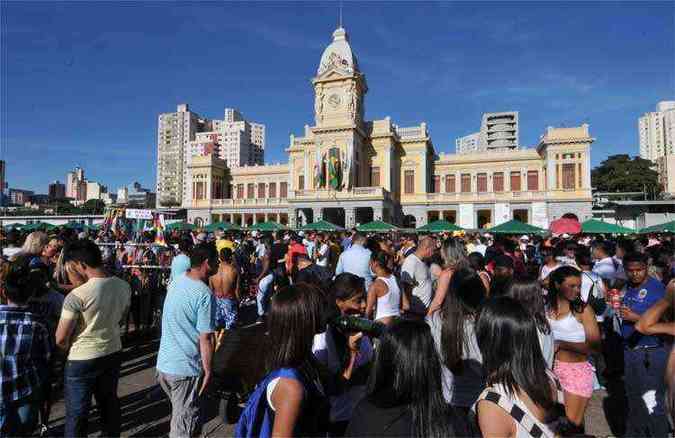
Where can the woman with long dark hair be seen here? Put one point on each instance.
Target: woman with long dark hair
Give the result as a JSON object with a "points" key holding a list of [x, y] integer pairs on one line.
{"points": [[521, 394], [404, 395], [530, 295], [576, 335], [384, 296], [453, 330], [292, 402]]}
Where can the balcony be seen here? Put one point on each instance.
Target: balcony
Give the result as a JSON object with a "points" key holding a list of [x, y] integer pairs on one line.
{"points": [[474, 197], [357, 193], [240, 203]]}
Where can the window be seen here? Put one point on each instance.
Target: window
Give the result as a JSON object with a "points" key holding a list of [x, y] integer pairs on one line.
{"points": [[481, 180], [450, 184], [568, 175], [375, 177], [301, 182], [250, 191], [283, 190], [515, 182], [466, 183], [261, 190], [579, 175], [498, 182], [437, 184], [230, 190], [272, 189], [532, 180], [409, 184], [240, 191]]}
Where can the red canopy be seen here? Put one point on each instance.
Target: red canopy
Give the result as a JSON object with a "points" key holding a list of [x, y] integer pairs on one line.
{"points": [[565, 225]]}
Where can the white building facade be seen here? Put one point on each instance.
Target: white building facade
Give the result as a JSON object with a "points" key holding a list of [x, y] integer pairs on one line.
{"points": [[656, 131]]}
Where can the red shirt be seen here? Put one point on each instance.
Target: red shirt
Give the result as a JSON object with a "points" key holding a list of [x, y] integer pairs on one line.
{"points": [[291, 256]]}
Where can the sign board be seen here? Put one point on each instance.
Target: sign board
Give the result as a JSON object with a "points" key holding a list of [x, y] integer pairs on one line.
{"points": [[135, 213]]}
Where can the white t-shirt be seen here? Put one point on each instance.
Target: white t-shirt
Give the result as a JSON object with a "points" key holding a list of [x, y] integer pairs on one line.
{"points": [[592, 281], [322, 257], [546, 271], [605, 269], [416, 273]]}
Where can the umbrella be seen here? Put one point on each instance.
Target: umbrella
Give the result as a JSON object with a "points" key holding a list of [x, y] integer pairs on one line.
{"points": [[74, 225], [181, 226], [439, 227], [224, 225], [515, 227], [668, 227], [565, 225], [267, 226], [377, 226], [593, 226], [321, 226]]}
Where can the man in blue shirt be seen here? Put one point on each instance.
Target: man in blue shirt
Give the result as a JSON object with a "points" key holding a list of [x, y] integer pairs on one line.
{"points": [[186, 345], [356, 260], [645, 356]]}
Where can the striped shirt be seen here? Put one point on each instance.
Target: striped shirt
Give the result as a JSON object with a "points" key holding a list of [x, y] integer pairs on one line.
{"points": [[189, 310], [24, 353]]}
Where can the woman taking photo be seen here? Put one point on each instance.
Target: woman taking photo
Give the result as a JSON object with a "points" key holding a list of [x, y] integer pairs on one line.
{"points": [[290, 400], [530, 295], [346, 355], [521, 394], [384, 295], [576, 335], [454, 335], [404, 395]]}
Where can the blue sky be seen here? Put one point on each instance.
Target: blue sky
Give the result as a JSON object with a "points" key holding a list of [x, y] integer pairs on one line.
{"points": [[83, 83]]}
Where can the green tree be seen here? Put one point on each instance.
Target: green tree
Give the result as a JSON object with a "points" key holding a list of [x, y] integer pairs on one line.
{"points": [[93, 206], [621, 173]]}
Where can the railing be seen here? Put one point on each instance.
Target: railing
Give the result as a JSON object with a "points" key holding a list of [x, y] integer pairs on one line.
{"points": [[477, 197], [355, 193], [415, 131], [255, 202]]}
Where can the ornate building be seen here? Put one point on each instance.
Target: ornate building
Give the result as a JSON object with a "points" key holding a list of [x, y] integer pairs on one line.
{"points": [[348, 170]]}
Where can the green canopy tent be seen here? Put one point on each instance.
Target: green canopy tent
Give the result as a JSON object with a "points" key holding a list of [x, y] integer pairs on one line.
{"points": [[74, 225], [593, 226], [38, 226], [14, 226], [668, 227], [321, 226], [225, 226], [267, 226], [93, 227], [180, 226], [377, 227], [515, 227], [440, 226]]}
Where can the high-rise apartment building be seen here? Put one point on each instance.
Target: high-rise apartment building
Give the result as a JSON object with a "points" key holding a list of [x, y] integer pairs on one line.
{"points": [[657, 131], [184, 134], [468, 144], [57, 190], [498, 132]]}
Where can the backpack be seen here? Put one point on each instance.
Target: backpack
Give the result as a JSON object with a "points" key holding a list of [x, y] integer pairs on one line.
{"points": [[257, 418]]}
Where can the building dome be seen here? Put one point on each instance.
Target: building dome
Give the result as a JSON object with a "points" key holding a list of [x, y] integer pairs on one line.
{"points": [[338, 54]]}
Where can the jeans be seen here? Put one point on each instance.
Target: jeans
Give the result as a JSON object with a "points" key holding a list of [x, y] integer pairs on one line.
{"points": [[19, 418], [645, 392], [262, 298], [97, 377], [186, 404]]}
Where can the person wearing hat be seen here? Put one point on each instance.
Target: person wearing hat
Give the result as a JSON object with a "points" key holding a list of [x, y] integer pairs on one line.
{"points": [[503, 275], [294, 248]]}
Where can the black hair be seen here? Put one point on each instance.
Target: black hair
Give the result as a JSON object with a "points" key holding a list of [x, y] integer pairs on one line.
{"points": [[407, 371], [201, 253], [508, 341], [606, 247], [530, 295], [634, 257], [225, 255], [185, 245], [295, 317], [23, 282], [556, 278], [83, 251], [463, 301], [626, 245], [583, 258], [477, 261], [382, 259], [346, 286]]}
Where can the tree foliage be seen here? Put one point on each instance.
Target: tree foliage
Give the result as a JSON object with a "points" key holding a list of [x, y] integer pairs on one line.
{"points": [[621, 173], [93, 206]]}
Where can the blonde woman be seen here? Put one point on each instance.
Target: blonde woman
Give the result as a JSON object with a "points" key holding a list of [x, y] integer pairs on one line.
{"points": [[33, 246], [454, 258]]}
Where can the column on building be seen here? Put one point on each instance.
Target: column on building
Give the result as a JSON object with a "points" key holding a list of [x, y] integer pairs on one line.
{"points": [[292, 218], [378, 213], [350, 217], [317, 214]]}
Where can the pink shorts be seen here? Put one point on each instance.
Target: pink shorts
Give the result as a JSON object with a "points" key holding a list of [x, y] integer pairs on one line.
{"points": [[575, 377]]}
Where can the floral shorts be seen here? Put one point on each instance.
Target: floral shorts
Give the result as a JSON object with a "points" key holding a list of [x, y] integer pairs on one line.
{"points": [[575, 377], [226, 313]]}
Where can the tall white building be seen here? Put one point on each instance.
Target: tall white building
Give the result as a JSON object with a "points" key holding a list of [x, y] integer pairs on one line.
{"points": [[184, 134], [468, 144], [657, 131], [498, 132]]}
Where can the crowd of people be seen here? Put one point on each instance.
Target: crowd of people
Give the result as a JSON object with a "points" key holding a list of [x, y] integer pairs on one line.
{"points": [[366, 335]]}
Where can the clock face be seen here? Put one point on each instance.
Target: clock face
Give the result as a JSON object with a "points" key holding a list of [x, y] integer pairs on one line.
{"points": [[334, 100]]}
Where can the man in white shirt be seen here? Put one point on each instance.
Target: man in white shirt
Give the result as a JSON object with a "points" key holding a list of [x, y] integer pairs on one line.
{"points": [[604, 266], [322, 250], [416, 278]]}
